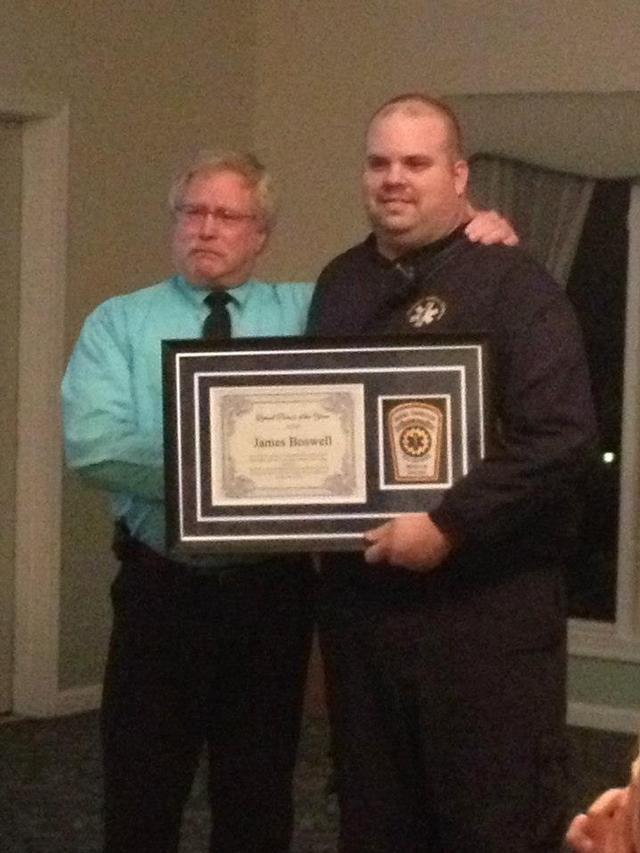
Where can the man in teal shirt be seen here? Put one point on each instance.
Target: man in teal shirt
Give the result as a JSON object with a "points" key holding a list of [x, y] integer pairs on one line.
{"points": [[215, 651], [112, 391], [197, 655]]}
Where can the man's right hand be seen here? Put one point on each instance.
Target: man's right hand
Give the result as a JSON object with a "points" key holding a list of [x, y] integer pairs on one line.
{"points": [[411, 541]]}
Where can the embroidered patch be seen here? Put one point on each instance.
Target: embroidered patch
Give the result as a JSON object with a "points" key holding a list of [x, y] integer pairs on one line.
{"points": [[428, 310]]}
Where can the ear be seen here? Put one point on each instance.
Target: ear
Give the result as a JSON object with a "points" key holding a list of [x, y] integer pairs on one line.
{"points": [[460, 176], [262, 238]]}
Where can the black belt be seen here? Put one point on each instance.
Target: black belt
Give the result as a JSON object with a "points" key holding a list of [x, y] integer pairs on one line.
{"points": [[128, 548]]}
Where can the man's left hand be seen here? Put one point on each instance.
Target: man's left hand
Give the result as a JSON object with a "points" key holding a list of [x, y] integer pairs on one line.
{"points": [[489, 227], [411, 541]]}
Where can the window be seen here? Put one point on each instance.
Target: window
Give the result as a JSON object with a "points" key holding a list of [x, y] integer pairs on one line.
{"points": [[579, 228]]}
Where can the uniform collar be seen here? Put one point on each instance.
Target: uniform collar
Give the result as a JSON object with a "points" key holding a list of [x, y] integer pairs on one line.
{"points": [[414, 257]]}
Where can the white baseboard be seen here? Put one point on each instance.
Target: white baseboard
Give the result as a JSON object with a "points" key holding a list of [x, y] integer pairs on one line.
{"points": [[78, 700], [604, 717]]}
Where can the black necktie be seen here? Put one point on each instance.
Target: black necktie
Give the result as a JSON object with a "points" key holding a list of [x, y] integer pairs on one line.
{"points": [[218, 323]]}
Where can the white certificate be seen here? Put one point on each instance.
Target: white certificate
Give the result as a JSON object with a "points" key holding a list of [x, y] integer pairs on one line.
{"points": [[294, 444]]}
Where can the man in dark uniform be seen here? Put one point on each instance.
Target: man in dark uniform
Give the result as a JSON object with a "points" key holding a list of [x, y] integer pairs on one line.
{"points": [[445, 643]]}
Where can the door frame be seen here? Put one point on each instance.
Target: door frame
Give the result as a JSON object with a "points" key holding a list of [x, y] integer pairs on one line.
{"points": [[45, 153]]}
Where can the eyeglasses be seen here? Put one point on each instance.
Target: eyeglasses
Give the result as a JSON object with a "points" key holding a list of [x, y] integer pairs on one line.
{"points": [[195, 215]]}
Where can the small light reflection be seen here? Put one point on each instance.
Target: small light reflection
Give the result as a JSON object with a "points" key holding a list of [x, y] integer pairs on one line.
{"points": [[608, 457]]}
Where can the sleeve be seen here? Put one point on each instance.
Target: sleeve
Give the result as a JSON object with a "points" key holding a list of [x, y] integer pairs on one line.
{"points": [[316, 305], [104, 440], [546, 425], [302, 297], [340, 304]]}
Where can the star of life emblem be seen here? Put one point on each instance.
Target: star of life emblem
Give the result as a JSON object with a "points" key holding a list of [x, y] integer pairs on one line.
{"points": [[415, 440], [427, 310]]}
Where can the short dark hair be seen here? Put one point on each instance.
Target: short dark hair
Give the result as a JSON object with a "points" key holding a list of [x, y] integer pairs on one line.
{"points": [[417, 103]]}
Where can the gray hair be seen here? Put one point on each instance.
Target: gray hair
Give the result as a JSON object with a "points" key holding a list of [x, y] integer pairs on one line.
{"points": [[241, 163]]}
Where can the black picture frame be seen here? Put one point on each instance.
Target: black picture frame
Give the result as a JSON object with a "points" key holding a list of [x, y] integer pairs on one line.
{"points": [[406, 398]]}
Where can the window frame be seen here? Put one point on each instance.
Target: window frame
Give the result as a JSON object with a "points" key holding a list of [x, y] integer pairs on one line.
{"points": [[598, 139]]}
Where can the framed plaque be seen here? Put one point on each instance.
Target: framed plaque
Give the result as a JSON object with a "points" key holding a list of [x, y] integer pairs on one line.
{"points": [[304, 444]]}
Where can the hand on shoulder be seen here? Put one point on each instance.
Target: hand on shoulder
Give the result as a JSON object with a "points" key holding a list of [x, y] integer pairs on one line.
{"points": [[489, 227]]}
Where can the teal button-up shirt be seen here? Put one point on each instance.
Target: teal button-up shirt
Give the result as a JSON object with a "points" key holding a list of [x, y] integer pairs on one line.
{"points": [[112, 388]]}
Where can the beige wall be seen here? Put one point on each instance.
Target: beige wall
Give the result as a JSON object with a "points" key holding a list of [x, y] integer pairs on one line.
{"points": [[147, 83], [344, 58]]}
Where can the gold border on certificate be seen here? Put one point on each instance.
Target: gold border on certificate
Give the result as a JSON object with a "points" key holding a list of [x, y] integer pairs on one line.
{"points": [[274, 445]]}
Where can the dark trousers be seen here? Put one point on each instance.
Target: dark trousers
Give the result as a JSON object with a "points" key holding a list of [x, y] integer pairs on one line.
{"points": [[199, 660], [448, 714]]}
